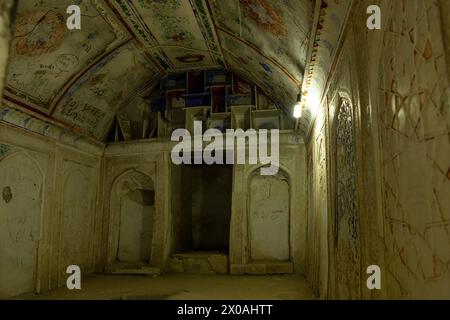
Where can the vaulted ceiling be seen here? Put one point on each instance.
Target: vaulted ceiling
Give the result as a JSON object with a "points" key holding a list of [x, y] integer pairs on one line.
{"points": [[80, 79]]}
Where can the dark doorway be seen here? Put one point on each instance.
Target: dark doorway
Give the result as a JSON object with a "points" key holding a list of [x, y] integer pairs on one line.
{"points": [[207, 195], [211, 206]]}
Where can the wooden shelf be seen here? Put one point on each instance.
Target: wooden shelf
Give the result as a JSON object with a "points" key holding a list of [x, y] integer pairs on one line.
{"points": [[220, 121], [218, 97], [266, 119]]}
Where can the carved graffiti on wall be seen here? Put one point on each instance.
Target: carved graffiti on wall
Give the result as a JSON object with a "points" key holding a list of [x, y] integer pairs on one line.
{"points": [[347, 230], [414, 126], [322, 212], [269, 217]]}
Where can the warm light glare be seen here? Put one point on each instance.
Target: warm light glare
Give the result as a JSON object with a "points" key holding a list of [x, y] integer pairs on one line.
{"points": [[297, 110]]}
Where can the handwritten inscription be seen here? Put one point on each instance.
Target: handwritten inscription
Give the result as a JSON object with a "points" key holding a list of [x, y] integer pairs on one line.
{"points": [[46, 66], [66, 61], [82, 113]]}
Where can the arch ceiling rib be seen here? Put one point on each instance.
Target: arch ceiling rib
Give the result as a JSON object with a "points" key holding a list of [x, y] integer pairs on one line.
{"points": [[80, 79]]}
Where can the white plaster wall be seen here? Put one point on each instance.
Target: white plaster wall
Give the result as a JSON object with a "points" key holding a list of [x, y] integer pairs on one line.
{"points": [[50, 220], [78, 200], [397, 82], [409, 87], [21, 182]]}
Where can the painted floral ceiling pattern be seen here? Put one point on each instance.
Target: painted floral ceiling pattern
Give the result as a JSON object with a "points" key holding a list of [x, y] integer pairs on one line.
{"points": [[80, 79]]}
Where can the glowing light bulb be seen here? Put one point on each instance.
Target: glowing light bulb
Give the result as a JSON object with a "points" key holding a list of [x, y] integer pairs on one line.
{"points": [[298, 108]]}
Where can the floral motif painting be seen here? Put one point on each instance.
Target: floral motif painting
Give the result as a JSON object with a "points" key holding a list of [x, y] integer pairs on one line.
{"points": [[45, 56]]}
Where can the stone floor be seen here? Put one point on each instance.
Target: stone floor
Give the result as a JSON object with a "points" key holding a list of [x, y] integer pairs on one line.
{"points": [[199, 262], [184, 286]]}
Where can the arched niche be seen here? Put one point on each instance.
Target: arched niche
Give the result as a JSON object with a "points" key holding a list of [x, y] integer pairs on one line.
{"points": [[21, 183], [132, 218], [268, 217]]}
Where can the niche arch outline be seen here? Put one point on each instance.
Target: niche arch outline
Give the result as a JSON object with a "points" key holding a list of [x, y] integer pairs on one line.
{"points": [[250, 173], [128, 181]]}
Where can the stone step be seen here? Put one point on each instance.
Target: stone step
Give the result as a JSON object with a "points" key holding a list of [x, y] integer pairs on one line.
{"points": [[198, 262], [263, 267], [142, 271], [132, 269]]}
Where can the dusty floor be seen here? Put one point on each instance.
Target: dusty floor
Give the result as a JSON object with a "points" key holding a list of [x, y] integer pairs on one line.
{"points": [[184, 286]]}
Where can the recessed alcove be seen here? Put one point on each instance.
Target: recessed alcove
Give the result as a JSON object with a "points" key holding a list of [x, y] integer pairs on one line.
{"points": [[207, 191]]}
